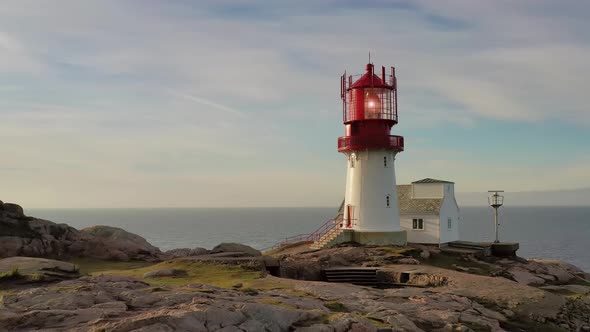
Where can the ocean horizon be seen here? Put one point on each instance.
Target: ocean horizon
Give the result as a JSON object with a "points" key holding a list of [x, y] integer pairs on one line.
{"points": [[559, 232]]}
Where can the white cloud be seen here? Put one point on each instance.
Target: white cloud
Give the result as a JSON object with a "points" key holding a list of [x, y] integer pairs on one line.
{"points": [[162, 94]]}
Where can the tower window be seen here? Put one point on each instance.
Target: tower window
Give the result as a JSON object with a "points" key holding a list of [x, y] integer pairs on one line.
{"points": [[385, 161], [418, 224], [387, 200], [351, 162], [450, 223]]}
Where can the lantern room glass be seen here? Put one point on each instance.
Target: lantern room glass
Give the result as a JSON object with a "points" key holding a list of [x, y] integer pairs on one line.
{"points": [[496, 200], [369, 103]]}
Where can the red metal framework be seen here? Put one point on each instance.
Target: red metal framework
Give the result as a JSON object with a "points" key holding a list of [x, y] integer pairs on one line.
{"points": [[391, 142], [369, 97], [369, 108]]}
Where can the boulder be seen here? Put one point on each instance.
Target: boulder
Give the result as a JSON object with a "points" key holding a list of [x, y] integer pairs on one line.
{"points": [[13, 209], [186, 252], [27, 236], [116, 243], [523, 276], [236, 247], [39, 269]]}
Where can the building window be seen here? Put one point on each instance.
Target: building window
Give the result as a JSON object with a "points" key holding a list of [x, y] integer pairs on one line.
{"points": [[418, 224], [385, 161], [450, 223], [387, 200], [351, 162]]}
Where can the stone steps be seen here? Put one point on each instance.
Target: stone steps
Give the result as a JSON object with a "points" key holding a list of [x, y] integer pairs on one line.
{"points": [[326, 239], [356, 276]]}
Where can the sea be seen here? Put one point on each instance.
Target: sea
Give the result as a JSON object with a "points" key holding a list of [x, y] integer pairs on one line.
{"points": [[543, 232]]}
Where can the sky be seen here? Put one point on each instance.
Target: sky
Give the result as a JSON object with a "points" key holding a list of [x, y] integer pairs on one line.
{"points": [[213, 103]]}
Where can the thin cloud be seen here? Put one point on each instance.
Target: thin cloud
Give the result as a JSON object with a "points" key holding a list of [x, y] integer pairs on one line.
{"points": [[206, 102]]}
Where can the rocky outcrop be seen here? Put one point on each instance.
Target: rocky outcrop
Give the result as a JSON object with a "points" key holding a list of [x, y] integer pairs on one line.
{"points": [[186, 252], [21, 235], [119, 244], [107, 303], [32, 269], [537, 272], [236, 247]]}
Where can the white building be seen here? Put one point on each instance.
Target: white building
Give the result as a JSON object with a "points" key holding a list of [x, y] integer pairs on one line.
{"points": [[429, 211]]}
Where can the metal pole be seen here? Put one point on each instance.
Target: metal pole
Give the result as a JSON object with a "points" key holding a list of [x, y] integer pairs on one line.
{"points": [[496, 224]]}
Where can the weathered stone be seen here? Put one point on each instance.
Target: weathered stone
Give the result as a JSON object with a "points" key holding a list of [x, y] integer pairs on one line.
{"points": [[117, 241], [26, 236], [39, 269], [523, 276], [408, 260], [235, 247], [14, 210], [186, 252]]}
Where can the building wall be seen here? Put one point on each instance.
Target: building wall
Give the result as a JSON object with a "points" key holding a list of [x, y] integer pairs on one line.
{"points": [[431, 228], [427, 190], [368, 184], [449, 209]]}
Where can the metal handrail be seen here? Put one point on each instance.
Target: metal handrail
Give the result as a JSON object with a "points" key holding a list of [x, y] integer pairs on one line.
{"points": [[379, 141], [313, 237]]}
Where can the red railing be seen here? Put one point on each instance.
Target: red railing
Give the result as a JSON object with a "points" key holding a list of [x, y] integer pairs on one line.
{"points": [[370, 142], [315, 236]]}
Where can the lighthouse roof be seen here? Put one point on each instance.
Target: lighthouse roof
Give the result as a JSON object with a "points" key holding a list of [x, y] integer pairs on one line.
{"points": [[429, 180], [369, 79], [408, 204]]}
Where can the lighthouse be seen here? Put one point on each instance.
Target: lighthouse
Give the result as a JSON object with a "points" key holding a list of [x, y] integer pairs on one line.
{"points": [[369, 106]]}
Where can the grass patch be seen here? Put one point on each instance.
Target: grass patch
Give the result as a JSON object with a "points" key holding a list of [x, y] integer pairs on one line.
{"points": [[13, 274], [579, 281], [93, 265], [199, 272], [376, 321], [335, 306], [276, 303], [299, 293], [447, 261]]}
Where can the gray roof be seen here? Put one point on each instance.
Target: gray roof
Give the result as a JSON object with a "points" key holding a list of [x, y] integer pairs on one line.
{"points": [[429, 180], [407, 204]]}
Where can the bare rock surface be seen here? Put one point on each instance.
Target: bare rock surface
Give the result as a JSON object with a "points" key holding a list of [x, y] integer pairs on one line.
{"points": [[186, 252], [235, 247], [125, 304], [38, 269], [540, 272], [21, 235]]}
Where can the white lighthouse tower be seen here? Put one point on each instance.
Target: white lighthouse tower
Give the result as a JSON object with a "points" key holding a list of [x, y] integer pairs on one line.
{"points": [[371, 208]]}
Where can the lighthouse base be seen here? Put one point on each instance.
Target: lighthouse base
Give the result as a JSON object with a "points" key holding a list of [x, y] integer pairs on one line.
{"points": [[398, 238]]}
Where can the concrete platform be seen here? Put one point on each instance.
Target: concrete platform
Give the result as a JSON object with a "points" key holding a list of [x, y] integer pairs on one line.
{"points": [[399, 238], [505, 249], [502, 249]]}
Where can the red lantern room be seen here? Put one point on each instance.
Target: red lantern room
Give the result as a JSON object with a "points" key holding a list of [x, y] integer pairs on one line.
{"points": [[369, 111]]}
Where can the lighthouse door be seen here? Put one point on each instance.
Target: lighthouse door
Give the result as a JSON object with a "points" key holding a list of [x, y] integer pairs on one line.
{"points": [[349, 216]]}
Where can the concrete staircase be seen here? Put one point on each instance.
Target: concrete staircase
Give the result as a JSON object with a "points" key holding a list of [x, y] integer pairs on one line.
{"points": [[364, 276], [465, 248], [327, 238]]}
